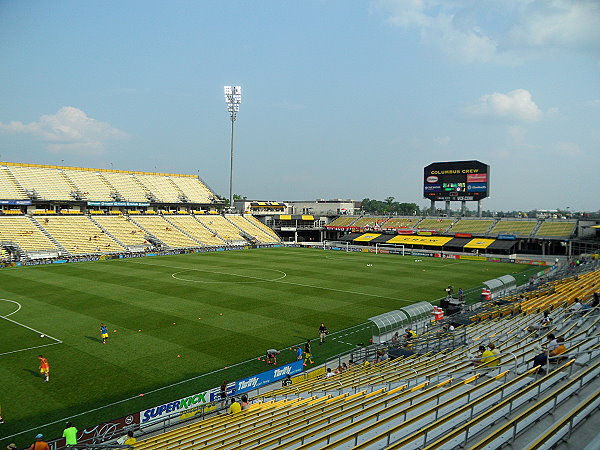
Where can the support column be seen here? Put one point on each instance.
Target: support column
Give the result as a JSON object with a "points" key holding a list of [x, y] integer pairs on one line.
{"points": [[479, 208], [432, 209], [448, 207], [463, 206]]}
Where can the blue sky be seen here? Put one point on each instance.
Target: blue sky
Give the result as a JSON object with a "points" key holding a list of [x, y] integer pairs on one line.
{"points": [[341, 98]]}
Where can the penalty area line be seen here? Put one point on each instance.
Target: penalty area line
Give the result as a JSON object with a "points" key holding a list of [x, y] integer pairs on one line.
{"points": [[58, 341]]}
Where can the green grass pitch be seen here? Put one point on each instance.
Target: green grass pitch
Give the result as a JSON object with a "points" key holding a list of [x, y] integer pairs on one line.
{"points": [[213, 309]]}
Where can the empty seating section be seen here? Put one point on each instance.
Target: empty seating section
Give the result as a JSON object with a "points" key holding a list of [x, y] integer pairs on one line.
{"points": [[165, 231], [369, 222], [225, 229], [47, 183], [90, 185], [471, 226], [342, 221], [439, 225], [248, 227], [556, 229], [124, 230], [127, 186], [516, 227], [79, 235], [196, 229], [161, 187], [193, 189], [23, 232], [9, 189], [257, 223], [401, 222]]}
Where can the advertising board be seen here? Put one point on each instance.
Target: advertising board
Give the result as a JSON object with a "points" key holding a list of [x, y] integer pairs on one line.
{"points": [[456, 180]]}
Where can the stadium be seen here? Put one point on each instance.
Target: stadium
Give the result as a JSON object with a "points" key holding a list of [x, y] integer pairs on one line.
{"points": [[392, 243], [193, 294]]}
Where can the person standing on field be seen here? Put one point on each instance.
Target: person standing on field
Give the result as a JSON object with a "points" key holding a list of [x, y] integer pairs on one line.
{"points": [[44, 368], [322, 333]]}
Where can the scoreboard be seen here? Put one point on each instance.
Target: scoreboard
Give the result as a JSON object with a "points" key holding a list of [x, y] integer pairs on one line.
{"points": [[456, 181]]}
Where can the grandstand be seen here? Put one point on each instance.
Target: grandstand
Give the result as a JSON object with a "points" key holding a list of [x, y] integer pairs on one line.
{"points": [[79, 235], [254, 228], [23, 232], [223, 228], [44, 183], [162, 188], [431, 396], [515, 227], [9, 187], [342, 221], [440, 225], [122, 230], [192, 227], [401, 222], [479, 227], [552, 229], [90, 185], [168, 234]]}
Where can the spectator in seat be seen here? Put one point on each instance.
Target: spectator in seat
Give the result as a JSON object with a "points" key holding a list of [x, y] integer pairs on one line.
{"points": [[542, 358], [544, 322], [576, 306], [235, 407], [244, 403]]}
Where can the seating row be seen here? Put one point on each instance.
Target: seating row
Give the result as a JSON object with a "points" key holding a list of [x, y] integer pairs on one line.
{"points": [[21, 181], [83, 234]]}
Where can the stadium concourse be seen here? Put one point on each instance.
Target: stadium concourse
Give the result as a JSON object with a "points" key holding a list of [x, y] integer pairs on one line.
{"points": [[436, 393]]}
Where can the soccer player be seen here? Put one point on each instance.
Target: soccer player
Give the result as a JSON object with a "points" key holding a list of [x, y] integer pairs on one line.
{"points": [[299, 354], [322, 333], [103, 333], [307, 355], [44, 368], [272, 356]]}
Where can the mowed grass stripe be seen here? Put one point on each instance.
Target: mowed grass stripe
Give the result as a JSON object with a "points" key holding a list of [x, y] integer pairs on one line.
{"points": [[70, 300]]}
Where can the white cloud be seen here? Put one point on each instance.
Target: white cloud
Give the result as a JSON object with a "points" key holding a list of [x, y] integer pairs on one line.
{"points": [[516, 105], [442, 140], [503, 30], [70, 130]]}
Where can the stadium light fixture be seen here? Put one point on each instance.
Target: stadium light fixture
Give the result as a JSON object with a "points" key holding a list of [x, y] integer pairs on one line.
{"points": [[233, 98]]}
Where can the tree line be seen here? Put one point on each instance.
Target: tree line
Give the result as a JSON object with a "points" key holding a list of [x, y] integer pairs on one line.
{"points": [[389, 206]]}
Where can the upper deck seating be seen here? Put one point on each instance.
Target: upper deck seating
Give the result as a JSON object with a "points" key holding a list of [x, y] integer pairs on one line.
{"points": [[194, 189], [47, 183], [22, 231], [472, 226], [165, 231], [128, 187], [9, 189], [90, 185], [79, 235], [516, 227], [563, 229], [161, 187], [369, 221]]}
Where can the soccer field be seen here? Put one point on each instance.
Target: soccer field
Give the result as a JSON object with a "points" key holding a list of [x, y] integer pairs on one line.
{"points": [[172, 318]]}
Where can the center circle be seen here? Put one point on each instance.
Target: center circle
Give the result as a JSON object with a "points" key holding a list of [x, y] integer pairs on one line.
{"points": [[240, 276]]}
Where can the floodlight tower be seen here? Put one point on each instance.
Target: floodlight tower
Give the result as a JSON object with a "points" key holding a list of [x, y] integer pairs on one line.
{"points": [[233, 98]]}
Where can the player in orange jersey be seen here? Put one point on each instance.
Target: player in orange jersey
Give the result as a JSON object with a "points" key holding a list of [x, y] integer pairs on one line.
{"points": [[44, 368]]}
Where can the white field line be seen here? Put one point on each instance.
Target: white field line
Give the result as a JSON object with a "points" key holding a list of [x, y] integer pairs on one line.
{"points": [[288, 282], [57, 341], [258, 279]]}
